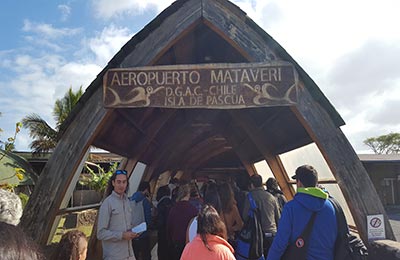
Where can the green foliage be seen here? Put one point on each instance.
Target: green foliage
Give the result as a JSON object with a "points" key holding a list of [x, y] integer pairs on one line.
{"points": [[24, 199], [45, 137], [97, 181], [64, 106], [384, 144]]}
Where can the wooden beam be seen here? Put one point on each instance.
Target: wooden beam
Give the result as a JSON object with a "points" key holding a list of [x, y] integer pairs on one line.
{"points": [[226, 129], [199, 148], [167, 145], [235, 30], [203, 156], [344, 163], [170, 155], [125, 114], [260, 141], [151, 132], [78, 209]]}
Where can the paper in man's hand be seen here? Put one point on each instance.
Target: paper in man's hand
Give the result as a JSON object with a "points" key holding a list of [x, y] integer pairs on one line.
{"points": [[140, 228]]}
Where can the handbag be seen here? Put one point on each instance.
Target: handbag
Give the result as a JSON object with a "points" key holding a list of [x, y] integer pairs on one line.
{"points": [[298, 249], [347, 246]]}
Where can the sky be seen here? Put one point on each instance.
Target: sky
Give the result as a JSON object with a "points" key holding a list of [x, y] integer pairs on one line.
{"points": [[351, 49]]}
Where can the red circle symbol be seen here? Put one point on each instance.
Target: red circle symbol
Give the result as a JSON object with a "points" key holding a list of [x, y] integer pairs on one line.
{"points": [[299, 242], [375, 222]]}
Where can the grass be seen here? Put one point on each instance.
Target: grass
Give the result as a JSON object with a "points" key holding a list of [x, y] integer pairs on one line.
{"points": [[87, 230]]}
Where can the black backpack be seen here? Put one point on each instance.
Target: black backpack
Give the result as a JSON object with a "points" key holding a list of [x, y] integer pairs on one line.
{"points": [[347, 246], [250, 239]]}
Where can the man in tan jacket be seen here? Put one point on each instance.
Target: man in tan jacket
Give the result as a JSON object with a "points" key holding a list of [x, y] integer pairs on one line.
{"points": [[115, 221]]}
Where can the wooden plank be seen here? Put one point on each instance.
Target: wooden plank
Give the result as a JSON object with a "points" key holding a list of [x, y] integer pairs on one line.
{"points": [[344, 163], [78, 209], [219, 85]]}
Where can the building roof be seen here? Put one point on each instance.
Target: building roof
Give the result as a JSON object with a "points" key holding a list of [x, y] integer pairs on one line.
{"points": [[375, 158]]}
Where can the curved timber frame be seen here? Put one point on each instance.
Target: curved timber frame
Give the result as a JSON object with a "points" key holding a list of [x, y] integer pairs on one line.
{"points": [[197, 140]]}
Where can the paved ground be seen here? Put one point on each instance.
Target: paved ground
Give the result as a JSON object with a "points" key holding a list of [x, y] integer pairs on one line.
{"points": [[394, 218]]}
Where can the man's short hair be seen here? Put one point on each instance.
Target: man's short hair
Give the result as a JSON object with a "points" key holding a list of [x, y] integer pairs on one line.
{"points": [[256, 180], [307, 175], [10, 207]]}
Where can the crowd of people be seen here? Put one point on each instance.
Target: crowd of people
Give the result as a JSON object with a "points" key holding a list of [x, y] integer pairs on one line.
{"points": [[182, 210], [191, 222], [204, 223]]}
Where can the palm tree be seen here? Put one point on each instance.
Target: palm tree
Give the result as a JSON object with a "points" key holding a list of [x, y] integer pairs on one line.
{"points": [[45, 137]]}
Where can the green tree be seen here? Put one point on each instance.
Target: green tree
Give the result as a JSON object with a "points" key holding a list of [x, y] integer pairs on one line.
{"points": [[45, 137], [384, 144], [97, 180]]}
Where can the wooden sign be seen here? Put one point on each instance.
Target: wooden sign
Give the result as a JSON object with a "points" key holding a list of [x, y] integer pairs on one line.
{"points": [[234, 85]]}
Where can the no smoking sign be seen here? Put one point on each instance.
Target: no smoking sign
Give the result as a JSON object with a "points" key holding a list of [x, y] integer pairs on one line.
{"points": [[376, 227], [375, 222]]}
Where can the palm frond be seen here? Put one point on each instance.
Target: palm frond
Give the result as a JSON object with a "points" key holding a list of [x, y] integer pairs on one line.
{"points": [[64, 106], [38, 127], [41, 145]]}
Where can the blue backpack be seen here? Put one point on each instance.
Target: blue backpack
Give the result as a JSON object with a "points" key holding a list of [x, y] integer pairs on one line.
{"points": [[250, 239]]}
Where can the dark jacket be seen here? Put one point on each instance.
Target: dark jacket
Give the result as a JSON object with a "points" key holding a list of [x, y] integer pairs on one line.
{"points": [[178, 220], [281, 199], [295, 216]]}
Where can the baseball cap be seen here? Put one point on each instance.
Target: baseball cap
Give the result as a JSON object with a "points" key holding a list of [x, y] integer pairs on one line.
{"points": [[307, 174]]}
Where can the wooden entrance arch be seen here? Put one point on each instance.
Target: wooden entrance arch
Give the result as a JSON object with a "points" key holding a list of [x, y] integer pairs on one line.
{"points": [[195, 140]]}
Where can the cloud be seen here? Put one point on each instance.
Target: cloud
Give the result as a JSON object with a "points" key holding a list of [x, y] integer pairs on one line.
{"points": [[364, 85], [34, 79], [65, 12], [353, 56], [367, 72], [388, 115], [107, 9], [107, 43], [48, 31], [39, 83]]}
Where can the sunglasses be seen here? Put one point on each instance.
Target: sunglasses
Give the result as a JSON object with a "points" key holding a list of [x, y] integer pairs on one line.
{"points": [[117, 172]]}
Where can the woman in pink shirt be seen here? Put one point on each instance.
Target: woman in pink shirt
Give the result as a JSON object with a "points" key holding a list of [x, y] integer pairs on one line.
{"points": [[210, 242]]}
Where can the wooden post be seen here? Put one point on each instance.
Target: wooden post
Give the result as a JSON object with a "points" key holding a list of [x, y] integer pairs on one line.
{"points": [[344, 163], [56, 177]]}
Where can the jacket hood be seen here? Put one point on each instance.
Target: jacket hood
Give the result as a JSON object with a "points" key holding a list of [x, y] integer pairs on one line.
{"points": [[311, 198], [138, 196]]}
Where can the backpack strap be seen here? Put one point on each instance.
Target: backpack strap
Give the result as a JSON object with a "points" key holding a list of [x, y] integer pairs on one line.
{"points": [[298, 249], [253, 205], [307, 230], [342, 226]]}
